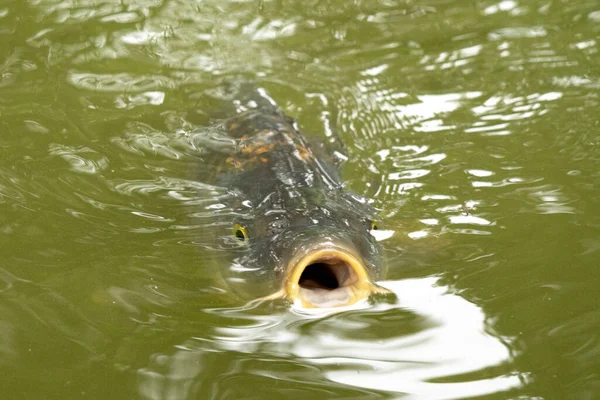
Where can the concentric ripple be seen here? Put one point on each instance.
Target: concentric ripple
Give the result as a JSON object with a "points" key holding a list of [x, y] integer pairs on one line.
{"points": [[440, 337]]}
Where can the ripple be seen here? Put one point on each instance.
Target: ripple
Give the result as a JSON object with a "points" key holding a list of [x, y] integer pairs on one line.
{"points": [[80, 159], [469, 220], [443, 337], [545, 199], [505, 5], [480, 173], [594, 16], [154, 98], [469, 120], [13, 66], [518, 32], [122, 82], [154, 143], [577, 81], [140, 37], [448, 60], [261, 29], [383, 110], [122, 17], [182, 142], [9, 187], [181, 190], [408, 174]]}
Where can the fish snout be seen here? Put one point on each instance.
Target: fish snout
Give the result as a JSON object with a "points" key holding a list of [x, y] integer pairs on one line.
{"points": [[327, 276]]}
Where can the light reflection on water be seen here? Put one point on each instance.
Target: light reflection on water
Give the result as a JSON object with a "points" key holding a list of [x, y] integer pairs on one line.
{"points": [[443, 351]]}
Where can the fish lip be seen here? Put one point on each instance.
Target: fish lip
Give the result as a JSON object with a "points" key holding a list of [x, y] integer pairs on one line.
{"points": [[345, 264]]}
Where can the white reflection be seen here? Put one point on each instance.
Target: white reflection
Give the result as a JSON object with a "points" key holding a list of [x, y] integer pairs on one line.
{"points": [[517, 33], [117, 83], [418, 234], [408, 174], [258, 30], [80, 159], [382, 234], [498, 112], [411, 148], [383, 154], [456, 343], [431, 105], [140, 37], [438, 197], [584, 45], [594, 16], [505, 5], [480, 127], [154, 98], [479, 172], [388, 189], [429, 339], [549, 199], [122, 18], [434, 125], [430, 159], [469, 219], [456, 58], [375, 70], [576, 81]]}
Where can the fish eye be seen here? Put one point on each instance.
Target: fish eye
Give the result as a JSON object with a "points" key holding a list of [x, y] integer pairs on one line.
{"points": [[373, 225], [240, 233]]}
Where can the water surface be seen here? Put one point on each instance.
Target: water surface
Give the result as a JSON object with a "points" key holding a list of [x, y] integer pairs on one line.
{"points": [[474, 127]]}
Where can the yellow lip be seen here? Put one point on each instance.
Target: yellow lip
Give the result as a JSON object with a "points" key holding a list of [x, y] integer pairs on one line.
{"points": [[330, 276]]}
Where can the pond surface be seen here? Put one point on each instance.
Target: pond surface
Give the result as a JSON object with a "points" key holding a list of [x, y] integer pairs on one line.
{"points": [[473, 125]]}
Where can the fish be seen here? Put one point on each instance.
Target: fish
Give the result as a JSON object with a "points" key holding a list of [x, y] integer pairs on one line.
{"points": [[296, 228]]}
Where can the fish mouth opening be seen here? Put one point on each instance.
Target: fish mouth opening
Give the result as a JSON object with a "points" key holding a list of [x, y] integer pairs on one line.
{"points": [[325, 275], [328, 278]]}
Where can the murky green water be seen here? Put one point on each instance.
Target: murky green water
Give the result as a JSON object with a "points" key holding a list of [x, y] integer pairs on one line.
{"points": [[474, 125]]}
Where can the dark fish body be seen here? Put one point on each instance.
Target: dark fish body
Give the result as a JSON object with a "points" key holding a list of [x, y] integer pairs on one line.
{"points": [[300, 233]]}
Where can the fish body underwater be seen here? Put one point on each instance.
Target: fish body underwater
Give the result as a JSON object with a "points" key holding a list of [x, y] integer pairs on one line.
{"points": [[297, 230]]}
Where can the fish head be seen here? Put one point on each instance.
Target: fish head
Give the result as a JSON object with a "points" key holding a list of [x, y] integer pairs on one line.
{"points": [[314, 248]]}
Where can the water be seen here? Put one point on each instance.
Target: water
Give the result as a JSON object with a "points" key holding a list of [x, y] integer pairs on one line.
{"points": [[474, 126]]}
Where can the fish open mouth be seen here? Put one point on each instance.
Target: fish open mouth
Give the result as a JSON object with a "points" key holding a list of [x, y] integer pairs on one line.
{"points": [[328, 277]]}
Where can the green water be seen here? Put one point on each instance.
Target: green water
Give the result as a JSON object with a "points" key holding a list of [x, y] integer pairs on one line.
{"points": [[473, 125]]}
